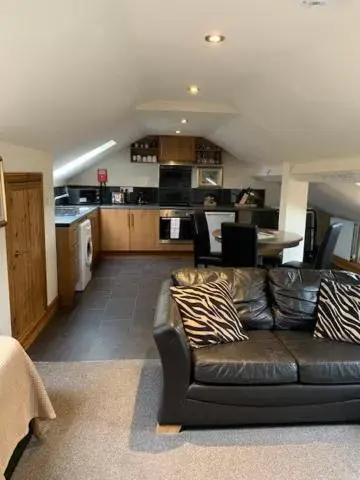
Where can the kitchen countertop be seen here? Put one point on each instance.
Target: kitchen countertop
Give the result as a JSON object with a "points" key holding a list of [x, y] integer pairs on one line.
{"points": [[67, 220]]}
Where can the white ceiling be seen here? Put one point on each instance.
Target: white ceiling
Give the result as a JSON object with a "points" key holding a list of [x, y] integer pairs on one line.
{"points": [[284, 85]]}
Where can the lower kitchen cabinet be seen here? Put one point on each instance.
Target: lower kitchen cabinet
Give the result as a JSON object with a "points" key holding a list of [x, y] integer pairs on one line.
{"points": [[115, 230], [134, 230], [144, 230]]}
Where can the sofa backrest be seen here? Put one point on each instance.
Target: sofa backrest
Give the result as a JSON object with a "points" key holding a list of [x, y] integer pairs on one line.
{"points": [[249, 290], [294, 294]]}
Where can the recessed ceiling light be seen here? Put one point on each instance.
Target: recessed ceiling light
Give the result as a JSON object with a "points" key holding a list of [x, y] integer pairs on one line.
{"points": [[193, 89], [214, 38], [314, 3], [177, 132], [184, 120]]}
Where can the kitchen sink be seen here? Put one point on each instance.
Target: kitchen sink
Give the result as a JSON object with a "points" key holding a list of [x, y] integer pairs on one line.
{"points": [[70, 211]]}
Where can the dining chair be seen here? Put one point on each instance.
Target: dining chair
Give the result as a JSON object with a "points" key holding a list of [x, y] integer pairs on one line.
{"points": [[239, 245], [201, 240], [325, 253], [268, 219]]}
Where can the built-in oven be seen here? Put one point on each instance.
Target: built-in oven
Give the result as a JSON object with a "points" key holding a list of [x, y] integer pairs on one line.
{"points": [[175, 226]]}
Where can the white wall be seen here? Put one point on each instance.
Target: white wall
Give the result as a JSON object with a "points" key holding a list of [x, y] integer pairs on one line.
{"points": [[126, 174], [20, 159]]}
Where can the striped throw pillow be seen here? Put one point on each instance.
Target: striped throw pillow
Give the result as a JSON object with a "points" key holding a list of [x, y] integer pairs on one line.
{"points": [[208, 314], [338, 316]]}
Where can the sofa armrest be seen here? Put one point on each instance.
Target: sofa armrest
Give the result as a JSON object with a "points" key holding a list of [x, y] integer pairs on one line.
{"points": [[175, 353]]}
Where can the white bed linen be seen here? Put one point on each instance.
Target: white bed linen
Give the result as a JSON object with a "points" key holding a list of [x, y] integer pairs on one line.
{"points": [[22, 398]]}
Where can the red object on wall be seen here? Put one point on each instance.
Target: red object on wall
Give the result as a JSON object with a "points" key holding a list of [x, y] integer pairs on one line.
{"points": [[102, 175]]}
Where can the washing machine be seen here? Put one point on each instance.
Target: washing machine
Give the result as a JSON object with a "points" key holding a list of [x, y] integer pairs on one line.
{"points": [[85, 255]]}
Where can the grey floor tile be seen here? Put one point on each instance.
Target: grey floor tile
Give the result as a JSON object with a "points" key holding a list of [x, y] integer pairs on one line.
{"points": [[113, 318]]}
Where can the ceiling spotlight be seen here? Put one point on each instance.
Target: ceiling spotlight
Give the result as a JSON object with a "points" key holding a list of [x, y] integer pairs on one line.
{"points": [[214, 38], [178, 132], [184, 120], [193, 89], [314, 3]]}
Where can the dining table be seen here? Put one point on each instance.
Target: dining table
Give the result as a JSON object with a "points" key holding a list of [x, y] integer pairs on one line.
{"points": [[271, 242]]}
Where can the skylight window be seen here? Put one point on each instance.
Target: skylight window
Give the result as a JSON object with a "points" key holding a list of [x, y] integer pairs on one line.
{"points": [[79, 161]]}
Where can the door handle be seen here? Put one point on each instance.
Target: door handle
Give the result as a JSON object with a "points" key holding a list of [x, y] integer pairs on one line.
{"points": [[18, 253]]}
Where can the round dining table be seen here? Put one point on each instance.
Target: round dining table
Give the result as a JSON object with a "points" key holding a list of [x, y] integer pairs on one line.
{"points": [[271, 242]]}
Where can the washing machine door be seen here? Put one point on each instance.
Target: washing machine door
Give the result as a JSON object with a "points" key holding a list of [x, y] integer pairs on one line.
{"points": [[89, 251]]}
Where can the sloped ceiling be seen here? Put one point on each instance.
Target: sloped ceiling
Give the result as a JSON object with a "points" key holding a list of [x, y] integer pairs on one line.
{"points": [[283, 86]]}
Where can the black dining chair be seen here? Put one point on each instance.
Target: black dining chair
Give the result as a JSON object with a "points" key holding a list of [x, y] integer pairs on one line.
{"points": [[239, 245], [325, 253], [201, 240]]}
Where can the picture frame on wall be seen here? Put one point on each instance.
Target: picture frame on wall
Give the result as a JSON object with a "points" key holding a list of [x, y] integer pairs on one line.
{"points": [[210, 177], [3, 217]]}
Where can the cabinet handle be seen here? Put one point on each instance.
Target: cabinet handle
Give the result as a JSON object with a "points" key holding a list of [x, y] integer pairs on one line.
{"points": [[129, 220], [132, 220]]}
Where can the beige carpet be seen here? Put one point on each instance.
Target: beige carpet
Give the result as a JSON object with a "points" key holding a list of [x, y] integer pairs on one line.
{"points": [[106, 424]]}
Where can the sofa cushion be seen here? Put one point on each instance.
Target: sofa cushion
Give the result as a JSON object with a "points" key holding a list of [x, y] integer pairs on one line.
{"points": [[248, 287], [262, 360], [338, 312], [322, 361], [208, 314], [295, 295]]}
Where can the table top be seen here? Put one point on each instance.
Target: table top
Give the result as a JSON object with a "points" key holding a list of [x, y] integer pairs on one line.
{"points": [[278, 239]]}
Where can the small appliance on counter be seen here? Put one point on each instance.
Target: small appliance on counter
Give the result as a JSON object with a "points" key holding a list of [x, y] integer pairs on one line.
{"points": [[210, 201], [118, 198], [140, 199]]}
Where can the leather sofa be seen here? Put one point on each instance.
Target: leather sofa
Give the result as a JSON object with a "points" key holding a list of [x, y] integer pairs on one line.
{"points": [[281, 375]]}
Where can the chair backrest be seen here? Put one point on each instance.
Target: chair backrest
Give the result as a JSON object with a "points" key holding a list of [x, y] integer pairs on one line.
{"points": [[327, 247], [266, 219], [239, 245], [200, 234]]}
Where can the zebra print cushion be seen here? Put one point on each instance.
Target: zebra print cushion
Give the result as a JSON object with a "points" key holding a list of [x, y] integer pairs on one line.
{"points": [[208, 314], [338, 312]]}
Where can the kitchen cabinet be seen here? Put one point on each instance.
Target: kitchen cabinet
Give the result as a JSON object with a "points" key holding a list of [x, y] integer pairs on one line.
{"points": [[134, 230], [115, 230], [177, 149], [144, 230]]}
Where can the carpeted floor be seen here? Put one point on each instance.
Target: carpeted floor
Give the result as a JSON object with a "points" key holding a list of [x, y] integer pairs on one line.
{"points": [[106, 431]]}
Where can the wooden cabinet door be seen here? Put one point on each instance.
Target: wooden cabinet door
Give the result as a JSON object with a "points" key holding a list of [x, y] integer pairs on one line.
{"points": [[25, 240], [144, 230], [167, 149], [186, 149], [114, 230], [177, 149]]}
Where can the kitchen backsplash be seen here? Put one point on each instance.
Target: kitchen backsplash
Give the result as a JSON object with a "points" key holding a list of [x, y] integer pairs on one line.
{"points": [[223, 196]]}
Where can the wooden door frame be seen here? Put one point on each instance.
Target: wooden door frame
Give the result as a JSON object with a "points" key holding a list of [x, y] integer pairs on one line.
{"points": [[24, 178]]}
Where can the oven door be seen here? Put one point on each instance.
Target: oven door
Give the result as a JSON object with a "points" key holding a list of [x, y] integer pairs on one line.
{"points": [[175, 229]]}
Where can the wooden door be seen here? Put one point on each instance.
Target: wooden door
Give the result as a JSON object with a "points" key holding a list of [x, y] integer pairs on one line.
{"points": [[144, 230], [25, 240], [115, 230]]}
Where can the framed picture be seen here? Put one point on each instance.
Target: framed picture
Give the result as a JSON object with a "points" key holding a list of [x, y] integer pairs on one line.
{"points": [[210, 177], [2, 196]]}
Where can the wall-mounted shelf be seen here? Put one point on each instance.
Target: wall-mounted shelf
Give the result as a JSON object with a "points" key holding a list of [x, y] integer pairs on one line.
{"points": [[145, 150], [207, 153]]}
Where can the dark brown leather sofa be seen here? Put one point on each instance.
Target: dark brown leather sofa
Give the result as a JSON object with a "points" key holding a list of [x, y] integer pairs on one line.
{"points": [[281, 375]]}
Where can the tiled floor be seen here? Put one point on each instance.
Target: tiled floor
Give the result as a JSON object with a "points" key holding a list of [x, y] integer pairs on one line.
{"points": [[113, 318]]}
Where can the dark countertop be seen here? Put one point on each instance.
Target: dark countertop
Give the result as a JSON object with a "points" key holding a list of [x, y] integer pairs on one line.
{"points": [[67, 220]]}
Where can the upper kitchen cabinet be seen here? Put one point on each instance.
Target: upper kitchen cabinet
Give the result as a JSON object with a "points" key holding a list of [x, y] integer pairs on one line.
{"points": [[176, 149]]}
